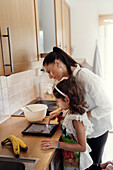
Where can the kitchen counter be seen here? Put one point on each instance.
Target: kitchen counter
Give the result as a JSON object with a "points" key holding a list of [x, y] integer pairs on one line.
{"points": [[4, 118], [14, 126]]}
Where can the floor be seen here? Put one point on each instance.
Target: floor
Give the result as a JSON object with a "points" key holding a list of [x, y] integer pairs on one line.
{"points": [[108, 151]]}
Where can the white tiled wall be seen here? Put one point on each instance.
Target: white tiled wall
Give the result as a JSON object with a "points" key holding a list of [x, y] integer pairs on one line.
{"points": [[17, 90], [1, 100]]}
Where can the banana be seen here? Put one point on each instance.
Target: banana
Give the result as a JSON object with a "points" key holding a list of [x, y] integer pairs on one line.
{"points": [[23, 146], [15, 144], [5, 141]]}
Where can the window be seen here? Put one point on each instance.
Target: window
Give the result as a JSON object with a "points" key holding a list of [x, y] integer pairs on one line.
{"points": [[106, 51]]}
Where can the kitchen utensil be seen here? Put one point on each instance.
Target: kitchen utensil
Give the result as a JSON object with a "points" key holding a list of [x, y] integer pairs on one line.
{"points": [[36, 112], [39, 129]]}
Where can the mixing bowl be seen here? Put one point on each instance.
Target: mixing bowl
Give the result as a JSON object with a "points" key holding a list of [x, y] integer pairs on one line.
{"points": [[35, 112]]}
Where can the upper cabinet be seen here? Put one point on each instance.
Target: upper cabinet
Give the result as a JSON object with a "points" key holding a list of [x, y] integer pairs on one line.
{"points": [[59, 23], [47, 25], [21, 40], [18, 35], [54, 22], [62, 22], [66, 27]]}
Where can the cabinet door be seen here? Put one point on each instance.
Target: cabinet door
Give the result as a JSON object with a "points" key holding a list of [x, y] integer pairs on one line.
{"points": [[66, 27], [58, 23], [1, 63], [20, 17]]}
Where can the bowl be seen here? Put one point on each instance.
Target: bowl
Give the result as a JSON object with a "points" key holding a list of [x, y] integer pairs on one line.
{"points": [[35, 112]]}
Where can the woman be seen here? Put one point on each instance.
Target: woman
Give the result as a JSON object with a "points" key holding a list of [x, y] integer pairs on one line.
{"points": [[58, 64]]}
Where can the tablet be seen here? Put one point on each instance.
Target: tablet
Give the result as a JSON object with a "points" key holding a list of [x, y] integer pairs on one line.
{"points": [[39, 129]]}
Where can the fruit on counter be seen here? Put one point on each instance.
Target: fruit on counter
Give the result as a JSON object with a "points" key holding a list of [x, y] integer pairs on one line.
{"points": [[5, 141], [17, 144], [22, 145]]}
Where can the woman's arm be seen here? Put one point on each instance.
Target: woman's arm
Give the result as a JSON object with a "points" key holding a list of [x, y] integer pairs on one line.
{"points": [[95, 89], [77, 147]]}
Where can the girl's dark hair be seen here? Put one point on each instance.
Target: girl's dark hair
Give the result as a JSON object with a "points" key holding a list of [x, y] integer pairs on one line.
{"points": [[59, 54], [74, 89]]}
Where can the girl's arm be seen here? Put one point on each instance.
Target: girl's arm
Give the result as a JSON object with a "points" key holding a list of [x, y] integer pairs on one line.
{"points": [[89, 114], [55, 113], [80, 132], [77, 147]]}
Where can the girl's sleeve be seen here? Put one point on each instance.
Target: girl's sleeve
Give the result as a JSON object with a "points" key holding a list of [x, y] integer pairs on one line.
{"points": [[87, 123]]}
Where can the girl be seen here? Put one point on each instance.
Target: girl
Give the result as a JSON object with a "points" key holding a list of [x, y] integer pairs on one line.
{"points": [[70, 95], [58, 64]]}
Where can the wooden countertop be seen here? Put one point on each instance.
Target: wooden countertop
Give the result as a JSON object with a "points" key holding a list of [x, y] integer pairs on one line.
{"points": [[14, 126]]}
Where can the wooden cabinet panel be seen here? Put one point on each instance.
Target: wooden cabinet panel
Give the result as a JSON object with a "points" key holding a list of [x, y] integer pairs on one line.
{"points": [[58, 23], [62, 20], [20, 17], [66, 27], [1, 63]]}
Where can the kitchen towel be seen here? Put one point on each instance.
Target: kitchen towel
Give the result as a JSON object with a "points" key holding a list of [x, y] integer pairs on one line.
{"points": [[97, 67]]}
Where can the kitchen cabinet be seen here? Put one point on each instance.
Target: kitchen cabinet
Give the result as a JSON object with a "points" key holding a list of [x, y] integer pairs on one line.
{"points": [[21, 17], [47, 25], [62, 20], [58, 23], [1, 64], [54, 21], [66, 27]]}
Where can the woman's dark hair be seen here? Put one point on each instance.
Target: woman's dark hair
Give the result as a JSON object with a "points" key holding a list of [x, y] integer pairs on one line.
{"points": [[74, 89], [59, 54]]}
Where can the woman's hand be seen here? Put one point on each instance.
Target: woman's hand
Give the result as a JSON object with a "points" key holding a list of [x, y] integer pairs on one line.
{"points": [[49, 144]]}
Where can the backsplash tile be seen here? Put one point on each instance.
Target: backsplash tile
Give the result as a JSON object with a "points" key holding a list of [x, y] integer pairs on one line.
{"points": [[17, 90], [3, 82]]}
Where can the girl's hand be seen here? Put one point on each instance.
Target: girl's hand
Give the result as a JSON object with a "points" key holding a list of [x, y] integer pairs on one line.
{"points": [[54, 114], [60, 118], [49, 144]]}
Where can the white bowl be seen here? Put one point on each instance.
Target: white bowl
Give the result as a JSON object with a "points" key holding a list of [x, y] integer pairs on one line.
{"points": [[37, 113]]}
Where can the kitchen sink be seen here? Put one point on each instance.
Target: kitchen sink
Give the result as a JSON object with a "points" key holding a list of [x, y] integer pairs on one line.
{"points": [[52, 105], [5, 165], [8, 162]]}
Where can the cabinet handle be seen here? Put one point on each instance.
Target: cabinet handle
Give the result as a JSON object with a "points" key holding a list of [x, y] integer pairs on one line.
{"points": [[10, 51]]}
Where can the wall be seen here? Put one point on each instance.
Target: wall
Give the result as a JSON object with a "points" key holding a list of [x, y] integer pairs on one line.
{"points": [[105, 6], [84, 26]]}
